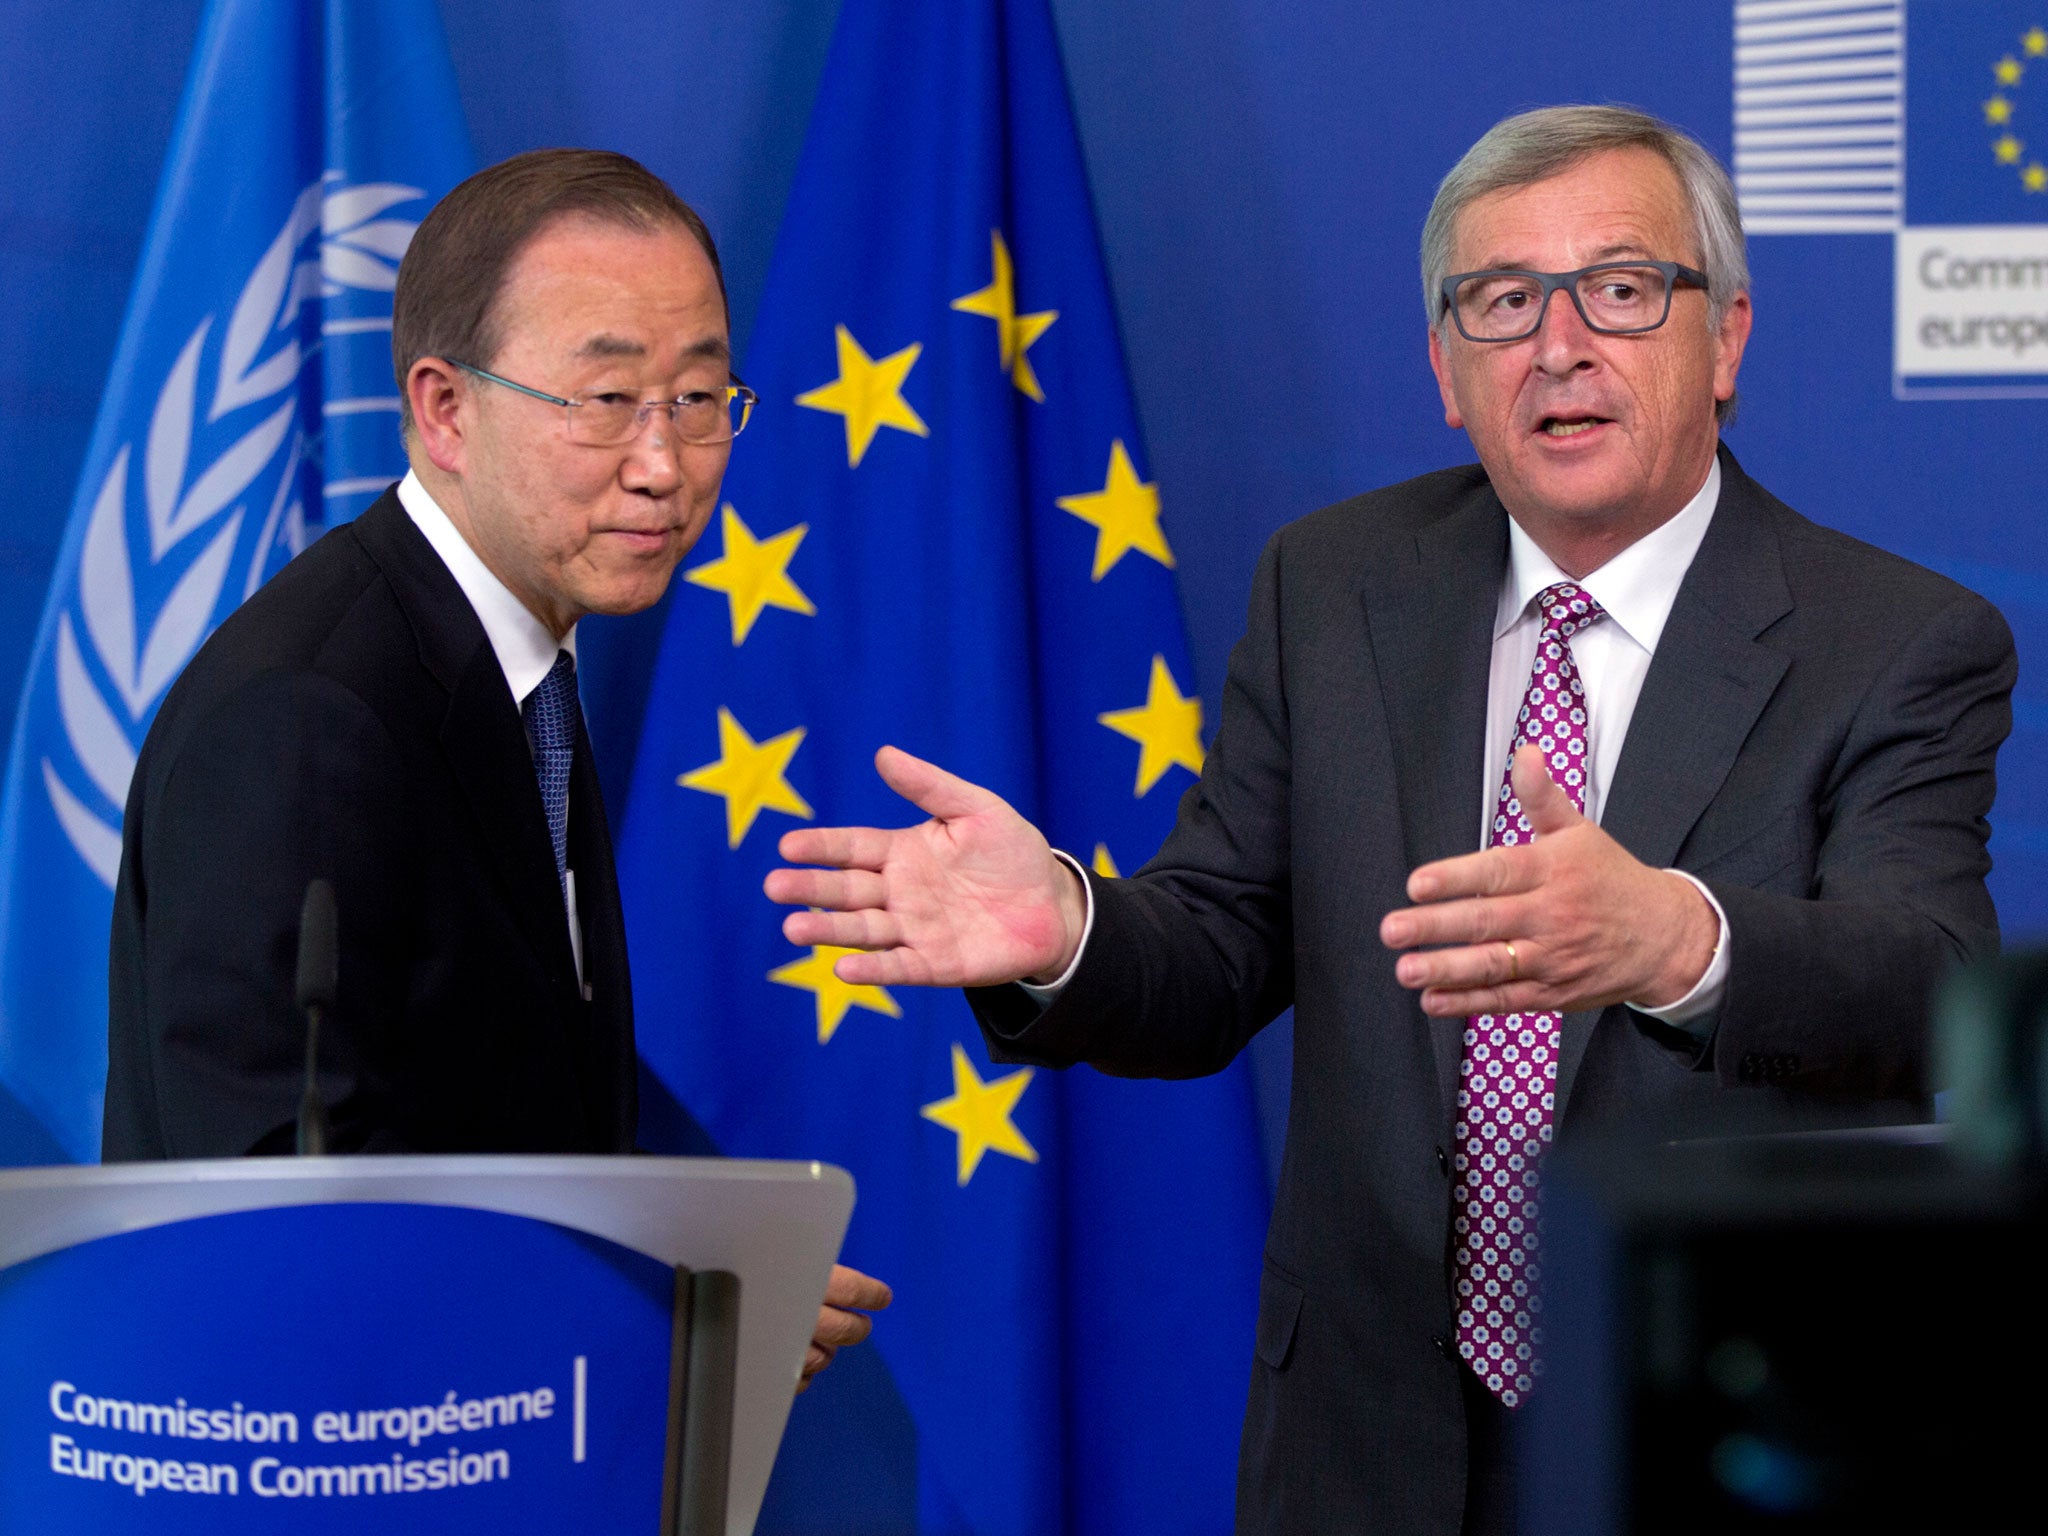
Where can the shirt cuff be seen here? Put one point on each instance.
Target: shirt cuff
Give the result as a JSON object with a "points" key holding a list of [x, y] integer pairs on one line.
{"points": [[1044, 995], [1706, 993]]}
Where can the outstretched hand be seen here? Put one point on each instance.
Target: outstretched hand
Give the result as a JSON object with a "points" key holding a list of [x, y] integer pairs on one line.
{"points": [[1572, 920], [972, 897]]}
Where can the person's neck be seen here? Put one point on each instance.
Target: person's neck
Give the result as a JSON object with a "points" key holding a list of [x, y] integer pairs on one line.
{"points": [[1579, 546], [447, 491]]}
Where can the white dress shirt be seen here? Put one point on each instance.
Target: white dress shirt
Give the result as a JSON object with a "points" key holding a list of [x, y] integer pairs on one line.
{"points": [[523, 645], [1637, 588]]}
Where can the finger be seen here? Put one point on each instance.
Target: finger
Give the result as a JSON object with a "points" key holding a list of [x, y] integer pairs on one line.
{"points": [[851, 1288], [838, 847], [1471, 920], [1490, 872], [1457, 1003], [816, 1358], [865, 929], [838, 1328], [840, 890], [1544, 801], [1470, 966], [930, 788]]}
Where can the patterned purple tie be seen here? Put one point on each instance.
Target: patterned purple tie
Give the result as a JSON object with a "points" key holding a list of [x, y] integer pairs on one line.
{"points": [[1507, 1087]]}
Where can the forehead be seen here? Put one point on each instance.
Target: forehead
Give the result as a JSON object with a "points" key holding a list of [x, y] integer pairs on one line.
{"points": [[1616, 202], [581, 279]]}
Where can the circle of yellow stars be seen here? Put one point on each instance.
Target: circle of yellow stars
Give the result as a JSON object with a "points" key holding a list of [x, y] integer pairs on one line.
{"points": [[2009, 148], [752, 572]]}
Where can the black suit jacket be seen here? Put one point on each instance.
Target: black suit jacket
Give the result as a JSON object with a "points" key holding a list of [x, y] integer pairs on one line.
{"points": [[1815, 739], [352, 722]]}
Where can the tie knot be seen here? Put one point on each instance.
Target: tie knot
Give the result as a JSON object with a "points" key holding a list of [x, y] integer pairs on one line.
{"points": [[1567, 609]]}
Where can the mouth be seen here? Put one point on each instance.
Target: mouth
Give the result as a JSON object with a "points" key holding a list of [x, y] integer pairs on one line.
{"points": [[1569, 426]]}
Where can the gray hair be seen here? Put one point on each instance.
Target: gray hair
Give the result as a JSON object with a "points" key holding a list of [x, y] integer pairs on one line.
{"points": [[1534, 146]]}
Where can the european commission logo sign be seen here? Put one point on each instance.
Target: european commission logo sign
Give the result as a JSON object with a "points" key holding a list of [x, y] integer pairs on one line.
{"points": [[1926, 120]]}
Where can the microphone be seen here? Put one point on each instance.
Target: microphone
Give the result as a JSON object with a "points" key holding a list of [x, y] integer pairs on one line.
{"points": [[319, 971]]}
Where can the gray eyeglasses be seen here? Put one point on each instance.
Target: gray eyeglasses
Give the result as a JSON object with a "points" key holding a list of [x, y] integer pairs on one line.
{"points": [[611, 417], [1615, 298]]}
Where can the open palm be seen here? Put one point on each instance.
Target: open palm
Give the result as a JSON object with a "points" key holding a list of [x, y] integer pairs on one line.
{"points": [[971, 897]]}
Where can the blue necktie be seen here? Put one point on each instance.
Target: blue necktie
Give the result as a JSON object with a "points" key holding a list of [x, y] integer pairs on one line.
{"points": [[553, 717]]}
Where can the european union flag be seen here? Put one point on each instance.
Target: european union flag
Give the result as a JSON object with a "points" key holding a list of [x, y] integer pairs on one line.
{"points": [[1977, 112], [940, 531], [250, 399]]}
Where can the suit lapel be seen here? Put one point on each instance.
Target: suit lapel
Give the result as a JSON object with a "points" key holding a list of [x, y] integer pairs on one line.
{"points": [[481, 734], [1708, 682], [1432, 639]]}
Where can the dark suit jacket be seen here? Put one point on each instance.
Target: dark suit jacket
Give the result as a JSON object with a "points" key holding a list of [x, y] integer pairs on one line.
{"points": [[1815, 739], [351, 721]]}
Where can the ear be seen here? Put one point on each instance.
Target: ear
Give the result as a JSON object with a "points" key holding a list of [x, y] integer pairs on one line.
{"points": [[1736, 320], [1441, 367], [437, 392]]}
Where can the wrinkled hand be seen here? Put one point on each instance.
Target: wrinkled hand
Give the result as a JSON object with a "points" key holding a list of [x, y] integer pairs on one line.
{"points": [[971, 898], [1590, 924], [849, 1297]]}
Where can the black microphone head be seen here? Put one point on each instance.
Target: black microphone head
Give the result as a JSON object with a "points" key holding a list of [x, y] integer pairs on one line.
{"points": [[319, 947]]}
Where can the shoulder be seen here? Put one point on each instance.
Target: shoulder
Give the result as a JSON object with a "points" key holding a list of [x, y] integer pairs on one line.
{"points": [[1389, 517], [1857, 591]]}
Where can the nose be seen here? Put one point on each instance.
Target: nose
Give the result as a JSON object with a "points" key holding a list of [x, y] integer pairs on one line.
{"points": [[1564, 344], [653, 462]]}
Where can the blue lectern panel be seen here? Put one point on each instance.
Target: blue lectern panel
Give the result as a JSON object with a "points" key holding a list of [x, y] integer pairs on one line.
{"points": [[316, 1368]]}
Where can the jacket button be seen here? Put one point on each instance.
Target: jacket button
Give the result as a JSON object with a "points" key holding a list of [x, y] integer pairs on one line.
{"points": [[1443, 1163], [1443, 1346]]}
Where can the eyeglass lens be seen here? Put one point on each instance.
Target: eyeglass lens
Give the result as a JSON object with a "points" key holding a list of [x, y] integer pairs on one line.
{"points": [[704, 416], [1506, 306]]}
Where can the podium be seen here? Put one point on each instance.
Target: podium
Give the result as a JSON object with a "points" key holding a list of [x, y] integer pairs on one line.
{"points": [[445, 1344]]}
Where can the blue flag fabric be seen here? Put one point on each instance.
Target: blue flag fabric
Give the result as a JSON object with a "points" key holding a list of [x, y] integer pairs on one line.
{"points": [[939, 532], [250, 401]]}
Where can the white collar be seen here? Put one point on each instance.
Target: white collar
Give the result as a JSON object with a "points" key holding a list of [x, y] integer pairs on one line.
{"points": [[1637, 587], [524, 647]]}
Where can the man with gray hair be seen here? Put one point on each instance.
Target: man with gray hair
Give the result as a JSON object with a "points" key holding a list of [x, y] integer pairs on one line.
{"points": [[1726, 774]]}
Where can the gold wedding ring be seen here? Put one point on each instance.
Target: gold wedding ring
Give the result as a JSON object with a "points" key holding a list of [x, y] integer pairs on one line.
{"points": [[1514, 964]]}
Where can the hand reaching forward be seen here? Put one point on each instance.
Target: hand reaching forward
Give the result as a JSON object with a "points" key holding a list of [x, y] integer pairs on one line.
{"points": [[971, 898], [1571, 920]]}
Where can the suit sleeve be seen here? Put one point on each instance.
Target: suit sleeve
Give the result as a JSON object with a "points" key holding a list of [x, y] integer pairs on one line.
{"points": [[290, 778], [1830, 992], [1193, 956]]}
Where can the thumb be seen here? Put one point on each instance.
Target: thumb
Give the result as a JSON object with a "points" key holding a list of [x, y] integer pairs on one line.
{"points": [[929, 787], [1544, 801]]}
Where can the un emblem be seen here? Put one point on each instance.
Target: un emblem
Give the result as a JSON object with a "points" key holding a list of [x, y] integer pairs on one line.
{"points": [[236, 443]]}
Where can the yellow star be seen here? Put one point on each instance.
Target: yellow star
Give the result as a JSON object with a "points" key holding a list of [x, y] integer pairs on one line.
{"points": [[1014, 332], [1167, 728], [753, 574], [749, 775], [2035, 41], [2035, 177], [2008, 70], [2008, 149], [1102, 863], [979, 1114], [868, 393], [814, 974], [1997, 111], [1125, 510]]}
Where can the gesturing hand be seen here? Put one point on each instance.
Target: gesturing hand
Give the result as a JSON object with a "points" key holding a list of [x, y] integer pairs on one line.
{"points": [[1571, 920], [972, 897]]}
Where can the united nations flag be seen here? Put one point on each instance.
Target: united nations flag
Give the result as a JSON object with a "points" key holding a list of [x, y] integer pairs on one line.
{"points": [[941, 531], [250, 401]]}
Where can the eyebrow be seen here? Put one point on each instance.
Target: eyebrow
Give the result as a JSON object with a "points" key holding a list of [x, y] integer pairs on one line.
{"points": [[606, 345], [1620, 250]]}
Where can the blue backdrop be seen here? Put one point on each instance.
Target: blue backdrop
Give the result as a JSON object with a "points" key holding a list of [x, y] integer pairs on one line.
{"points": [[1259, 177]]}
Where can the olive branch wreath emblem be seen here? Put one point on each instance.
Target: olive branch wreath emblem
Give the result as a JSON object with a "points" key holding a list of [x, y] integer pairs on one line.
{"points": [[335, 238]]}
